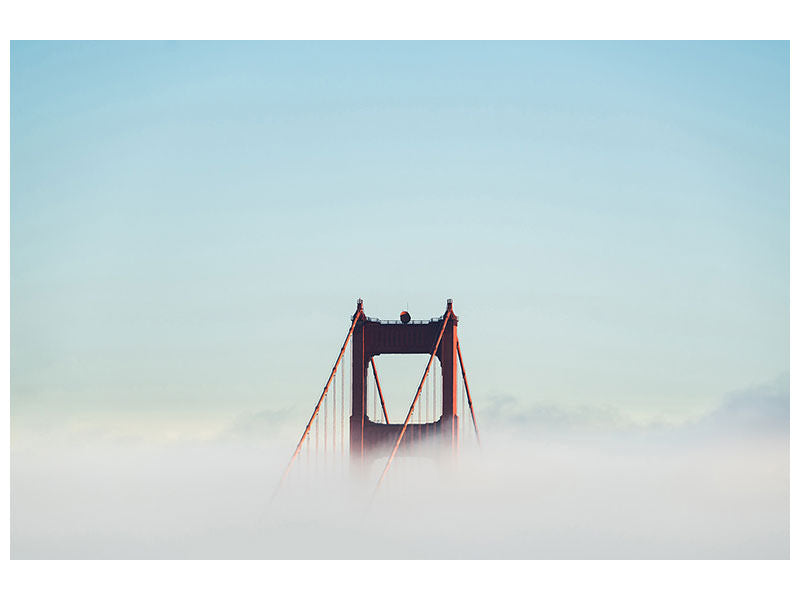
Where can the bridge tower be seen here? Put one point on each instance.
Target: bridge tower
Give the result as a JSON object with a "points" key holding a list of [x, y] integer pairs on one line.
{"points": [[373, 337]]}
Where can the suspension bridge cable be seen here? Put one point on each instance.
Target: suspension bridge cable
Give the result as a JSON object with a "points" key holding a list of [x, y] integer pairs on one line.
{"points": [[433, 383], [380, 391], [426, 405], [333, 421], [460, 398], [466, 387], [345, 404], [356, 318]]}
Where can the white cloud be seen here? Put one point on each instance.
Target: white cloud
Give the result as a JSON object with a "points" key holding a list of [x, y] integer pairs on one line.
{"points": [[594, 487]]}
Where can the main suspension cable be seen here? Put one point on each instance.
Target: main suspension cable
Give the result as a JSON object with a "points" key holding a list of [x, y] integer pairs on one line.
{"points": [[356, 318], [466, 388]]}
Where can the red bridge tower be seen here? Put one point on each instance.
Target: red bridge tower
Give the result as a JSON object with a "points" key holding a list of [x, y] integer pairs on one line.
{"points": [[372, 337]]}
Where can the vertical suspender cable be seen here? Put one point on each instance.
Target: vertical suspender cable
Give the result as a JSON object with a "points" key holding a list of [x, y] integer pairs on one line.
{"points": [[434, 384], [425, 403], [461, 414], [345, 404], [416, 430], [333, 444], [427, 410]]}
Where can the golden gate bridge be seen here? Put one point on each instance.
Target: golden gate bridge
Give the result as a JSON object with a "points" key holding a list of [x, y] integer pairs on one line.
{"points": [[350, 424]]}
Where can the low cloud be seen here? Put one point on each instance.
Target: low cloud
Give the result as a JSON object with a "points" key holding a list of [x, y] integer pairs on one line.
{"points": [[511, 415], [762, 409], [597, 485], [757, 410], [263, 424]]}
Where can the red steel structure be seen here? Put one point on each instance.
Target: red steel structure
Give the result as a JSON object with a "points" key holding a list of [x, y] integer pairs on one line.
{"points": [[373, 437], [371, 338]]}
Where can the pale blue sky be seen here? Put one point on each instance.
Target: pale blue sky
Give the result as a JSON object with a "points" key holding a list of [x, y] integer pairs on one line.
{"points": [[191, 223]]}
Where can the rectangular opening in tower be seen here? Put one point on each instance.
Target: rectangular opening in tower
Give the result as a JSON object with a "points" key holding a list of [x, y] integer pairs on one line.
{"points": [[399, 376]]}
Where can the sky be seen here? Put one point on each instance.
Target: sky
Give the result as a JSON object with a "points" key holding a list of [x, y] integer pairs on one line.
{"points": [[192, 224]]}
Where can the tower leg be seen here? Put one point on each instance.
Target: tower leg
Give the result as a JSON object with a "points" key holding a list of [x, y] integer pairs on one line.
{"points": [[448, 357], [358, 414]]}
